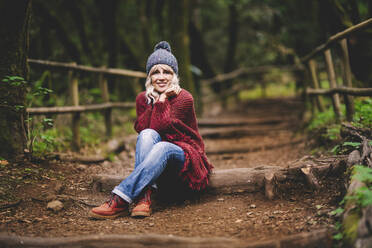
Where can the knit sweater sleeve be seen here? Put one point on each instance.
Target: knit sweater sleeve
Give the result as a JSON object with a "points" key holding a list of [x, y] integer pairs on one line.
{"points": [[143, 111], [165, 113], [161, 116]]}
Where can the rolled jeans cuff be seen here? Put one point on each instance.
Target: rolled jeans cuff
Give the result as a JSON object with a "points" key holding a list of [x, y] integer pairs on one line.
{"points": [[122, 195]]}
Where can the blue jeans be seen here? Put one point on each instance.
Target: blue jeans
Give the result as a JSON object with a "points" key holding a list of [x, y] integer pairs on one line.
{"points": [[152, 157]]}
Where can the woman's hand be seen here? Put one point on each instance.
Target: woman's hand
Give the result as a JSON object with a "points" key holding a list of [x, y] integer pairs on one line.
{"points": [[169, 93]]}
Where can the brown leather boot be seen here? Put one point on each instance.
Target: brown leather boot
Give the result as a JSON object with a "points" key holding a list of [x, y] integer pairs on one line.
{"points": [[143, 205], [111, 209]]}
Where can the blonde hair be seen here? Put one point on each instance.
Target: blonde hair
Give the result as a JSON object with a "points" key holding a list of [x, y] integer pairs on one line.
{"points": [[151, 93]]}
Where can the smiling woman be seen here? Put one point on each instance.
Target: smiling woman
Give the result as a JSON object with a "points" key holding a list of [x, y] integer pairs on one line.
{"points": [[161, 79], [168, 138]]}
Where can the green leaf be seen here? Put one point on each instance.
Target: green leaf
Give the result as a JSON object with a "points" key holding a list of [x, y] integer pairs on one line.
{"points": [[337, 211], [338, 225], [353, 144], [338, 236], [335, 149], [365, 196], [19, 107], [363, 174]]}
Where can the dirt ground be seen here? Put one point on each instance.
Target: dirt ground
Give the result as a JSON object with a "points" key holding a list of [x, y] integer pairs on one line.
{"points": [[26, 189]]}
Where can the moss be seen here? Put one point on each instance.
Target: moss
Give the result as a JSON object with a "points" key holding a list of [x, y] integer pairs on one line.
{"points": [[350, 226]]}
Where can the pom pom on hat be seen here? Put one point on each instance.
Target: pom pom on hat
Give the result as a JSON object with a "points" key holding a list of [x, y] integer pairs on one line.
{"points": [[162, 55], [163, 45]]}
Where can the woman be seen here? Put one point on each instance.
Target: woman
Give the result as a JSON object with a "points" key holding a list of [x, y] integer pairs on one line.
{"points": [[168, 137]]}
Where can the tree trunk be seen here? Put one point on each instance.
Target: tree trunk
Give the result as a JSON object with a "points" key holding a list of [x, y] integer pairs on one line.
{"points": [[179, 20], [198, 56], [233, 41], [14, 22]]}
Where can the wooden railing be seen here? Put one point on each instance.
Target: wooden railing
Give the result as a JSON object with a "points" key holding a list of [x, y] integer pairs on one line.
{"points": [[77, 109], [346, 90]]}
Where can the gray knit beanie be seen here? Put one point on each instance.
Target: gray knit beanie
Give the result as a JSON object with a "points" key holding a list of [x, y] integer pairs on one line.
{"points": [[162, 55]]}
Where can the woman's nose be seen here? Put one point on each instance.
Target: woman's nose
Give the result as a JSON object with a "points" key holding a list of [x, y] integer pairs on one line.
{"points": [[161, 75]]}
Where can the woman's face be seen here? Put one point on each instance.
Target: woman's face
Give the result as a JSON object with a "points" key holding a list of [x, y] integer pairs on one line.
{"points": [[161, 77]]}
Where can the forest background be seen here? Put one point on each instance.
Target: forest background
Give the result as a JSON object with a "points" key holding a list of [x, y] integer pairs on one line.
{"points": [[208, 38], [214, 36]]}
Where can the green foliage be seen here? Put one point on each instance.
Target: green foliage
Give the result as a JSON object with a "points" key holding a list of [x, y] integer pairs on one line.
{"points": [[273, 90], [14, 81], [345, 147], [337, 211], [41, 141], [363, 113], [89, 136], [338, 236], [37, 93], [352, 144], [322, 119], [363, 174], [325, 124], [360, 198]]}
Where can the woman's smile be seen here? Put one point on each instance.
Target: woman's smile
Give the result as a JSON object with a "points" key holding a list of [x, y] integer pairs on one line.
{"points": [[161, 78]]}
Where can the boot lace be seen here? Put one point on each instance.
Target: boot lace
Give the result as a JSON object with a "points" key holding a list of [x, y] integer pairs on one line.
{"points": [[146, 197], [113, 198]]}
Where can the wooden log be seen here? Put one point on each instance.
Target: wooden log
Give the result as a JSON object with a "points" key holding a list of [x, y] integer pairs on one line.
{"points": [[345, 62], [314, 77], [229, 132], [318, 238], [74, 93], [239, 179], [270, 185], [123, 241], [349, 91], [310, 177], [221, 181], [235, 122], [244, 179], [351, 132], [332, 83], [351, 215], [337, 37], [80, 158], [106, 98], [242, 149], [80, 108], [364, 232], [252, 70], [74, 66]]}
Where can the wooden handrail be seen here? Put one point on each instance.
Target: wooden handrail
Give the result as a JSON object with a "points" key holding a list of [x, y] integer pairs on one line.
{"points": [[343, 90], [242, 71], [71, 66], [335, 38], [79, 109]]}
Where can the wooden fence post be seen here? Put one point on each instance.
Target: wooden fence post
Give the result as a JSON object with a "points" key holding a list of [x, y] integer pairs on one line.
{"points": [[309, 99], [74, 93], [349, 101], [314, 79], [106, 98], [332, 83]]}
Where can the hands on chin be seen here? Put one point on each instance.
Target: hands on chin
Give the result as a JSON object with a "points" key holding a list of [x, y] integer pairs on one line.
{"points": [[168, 93]]}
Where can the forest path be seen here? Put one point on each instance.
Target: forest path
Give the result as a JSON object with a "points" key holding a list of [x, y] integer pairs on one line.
{"points": [[245, 216]]}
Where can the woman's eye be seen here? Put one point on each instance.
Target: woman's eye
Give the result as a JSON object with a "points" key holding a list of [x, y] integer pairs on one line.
{"points": [[167, 72], [155, 72]]}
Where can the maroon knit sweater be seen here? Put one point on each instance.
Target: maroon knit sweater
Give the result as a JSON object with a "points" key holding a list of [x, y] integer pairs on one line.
{"points": [[175, 121]]}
